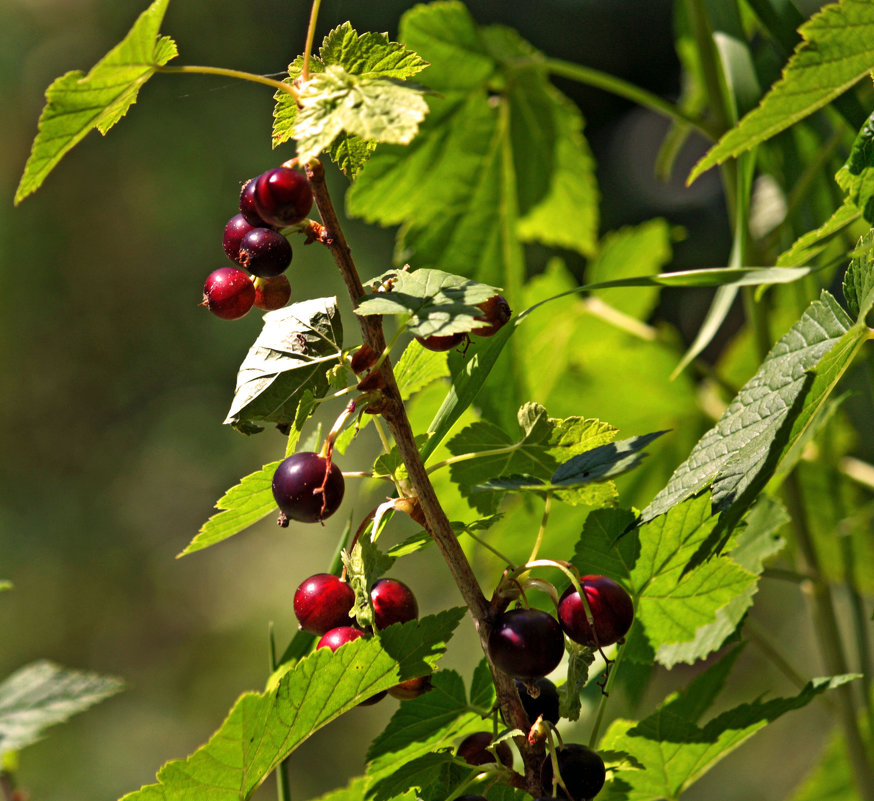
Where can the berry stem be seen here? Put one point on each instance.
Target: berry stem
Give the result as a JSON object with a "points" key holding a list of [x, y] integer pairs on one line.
{"points": [[436, 522], [311, 36], [547, 505], [229, 73]]}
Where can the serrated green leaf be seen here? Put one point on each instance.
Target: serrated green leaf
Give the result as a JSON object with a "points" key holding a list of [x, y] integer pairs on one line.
{"points": [[603, 462], [858, 283], [292, 355], [44, 694], [856, 177], [241, 506], [835, 53], [264, 728], [350, 153], [671, 752], [736, 452], [364, 565], [423, 773], [77, 103], [432, 301], [417, 368], [809, 245], [580, 659]]}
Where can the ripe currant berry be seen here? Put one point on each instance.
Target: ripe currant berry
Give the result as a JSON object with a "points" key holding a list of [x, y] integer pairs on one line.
{"points": [[228, 293], [337, 637], [323, 602], [247, 205], [307, 488], [581, 769], [282, 196], [546, 704], [411, 688], [473, 749], [612, 612], [496, 313], [441, 343], [235, 229], [272, 293], [264, 252], [526, 643], [393, 602]]}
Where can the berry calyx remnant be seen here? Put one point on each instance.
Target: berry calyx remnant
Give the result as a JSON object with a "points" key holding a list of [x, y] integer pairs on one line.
{"points": [[496, 313], [272, 293], [393, 602], [282, 196], [526, 643], [323, 602], [581, 769], [307, 487], [228, 293], [612, 612]]}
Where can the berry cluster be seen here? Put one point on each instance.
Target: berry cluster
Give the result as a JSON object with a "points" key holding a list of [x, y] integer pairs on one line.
{"points": [[495, 314], [276, 199]]}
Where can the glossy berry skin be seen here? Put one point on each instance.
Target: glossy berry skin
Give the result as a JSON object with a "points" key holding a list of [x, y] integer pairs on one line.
{"points": [[546, 704], [612, 612], [441, 343], [272, 293], [297, 485], [496, 313], [393, 602], [264, 252], [237, 227], [581, 769], [282, 196], [339, 636], [247, 205], [526, 643], [473, 750], [411, 688], [323, 602], [228, 293]]}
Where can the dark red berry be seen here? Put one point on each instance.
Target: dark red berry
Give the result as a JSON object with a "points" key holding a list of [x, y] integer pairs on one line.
{"points": [[374, 698], [441, 343], [307, 488], [474, 750], [247, 205], [228, 293], [393, 602], [264, 252], [323, 602], [546, 703], [335, 638], [496, 312], [282, 196], [272, 293], [581, 769], [237, 227], [411, 688], [526, 643], [612, 612]]}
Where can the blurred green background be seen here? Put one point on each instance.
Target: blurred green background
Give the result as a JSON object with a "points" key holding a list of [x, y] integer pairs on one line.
{"points": [[115, 382]]}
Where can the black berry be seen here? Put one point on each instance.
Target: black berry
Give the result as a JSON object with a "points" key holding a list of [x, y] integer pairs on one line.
{"points": [[307, 488], [237, 227], [282, 196], [580, 768], [323, 602], [228, 293], [474, 750], [612, 612], [495, 314], [264, 252], [526, 643], [393, 602], [546, 704], [272, 293], [441, 343]]}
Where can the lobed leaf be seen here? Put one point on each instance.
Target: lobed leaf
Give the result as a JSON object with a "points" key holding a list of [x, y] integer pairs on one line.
{"points": [[43, 694], [811, 244], [835, 53], [77, 103]]}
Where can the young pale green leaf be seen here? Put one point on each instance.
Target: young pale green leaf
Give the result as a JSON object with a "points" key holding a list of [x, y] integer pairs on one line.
{"points": [[43, 694], [737, 451], [580, 659], [77, 103], [363, 566], [835, 53], [432, 301], [240, 507], [811, 244], [264, 728], [670, 751], [291, 356]]}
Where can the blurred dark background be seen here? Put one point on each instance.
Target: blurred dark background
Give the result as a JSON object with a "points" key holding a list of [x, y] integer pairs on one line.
{"points": [[115, 382]]}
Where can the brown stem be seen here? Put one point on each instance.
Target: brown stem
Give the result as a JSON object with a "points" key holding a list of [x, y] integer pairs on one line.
{"points": [[436, 522]]}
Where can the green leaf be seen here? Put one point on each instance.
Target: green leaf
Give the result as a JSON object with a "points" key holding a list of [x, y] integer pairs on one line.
{"points": [[809, 245], [364, 565], [264, 728], [859, 279], [580, 659], [77, 103], [670, 751], [603, 462], [42, 694], [417, 368], [856, 177], [423, 773], [737, 453], [5, 585], [240, 507], [292, 355], [834, 54], [434, 301]]}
